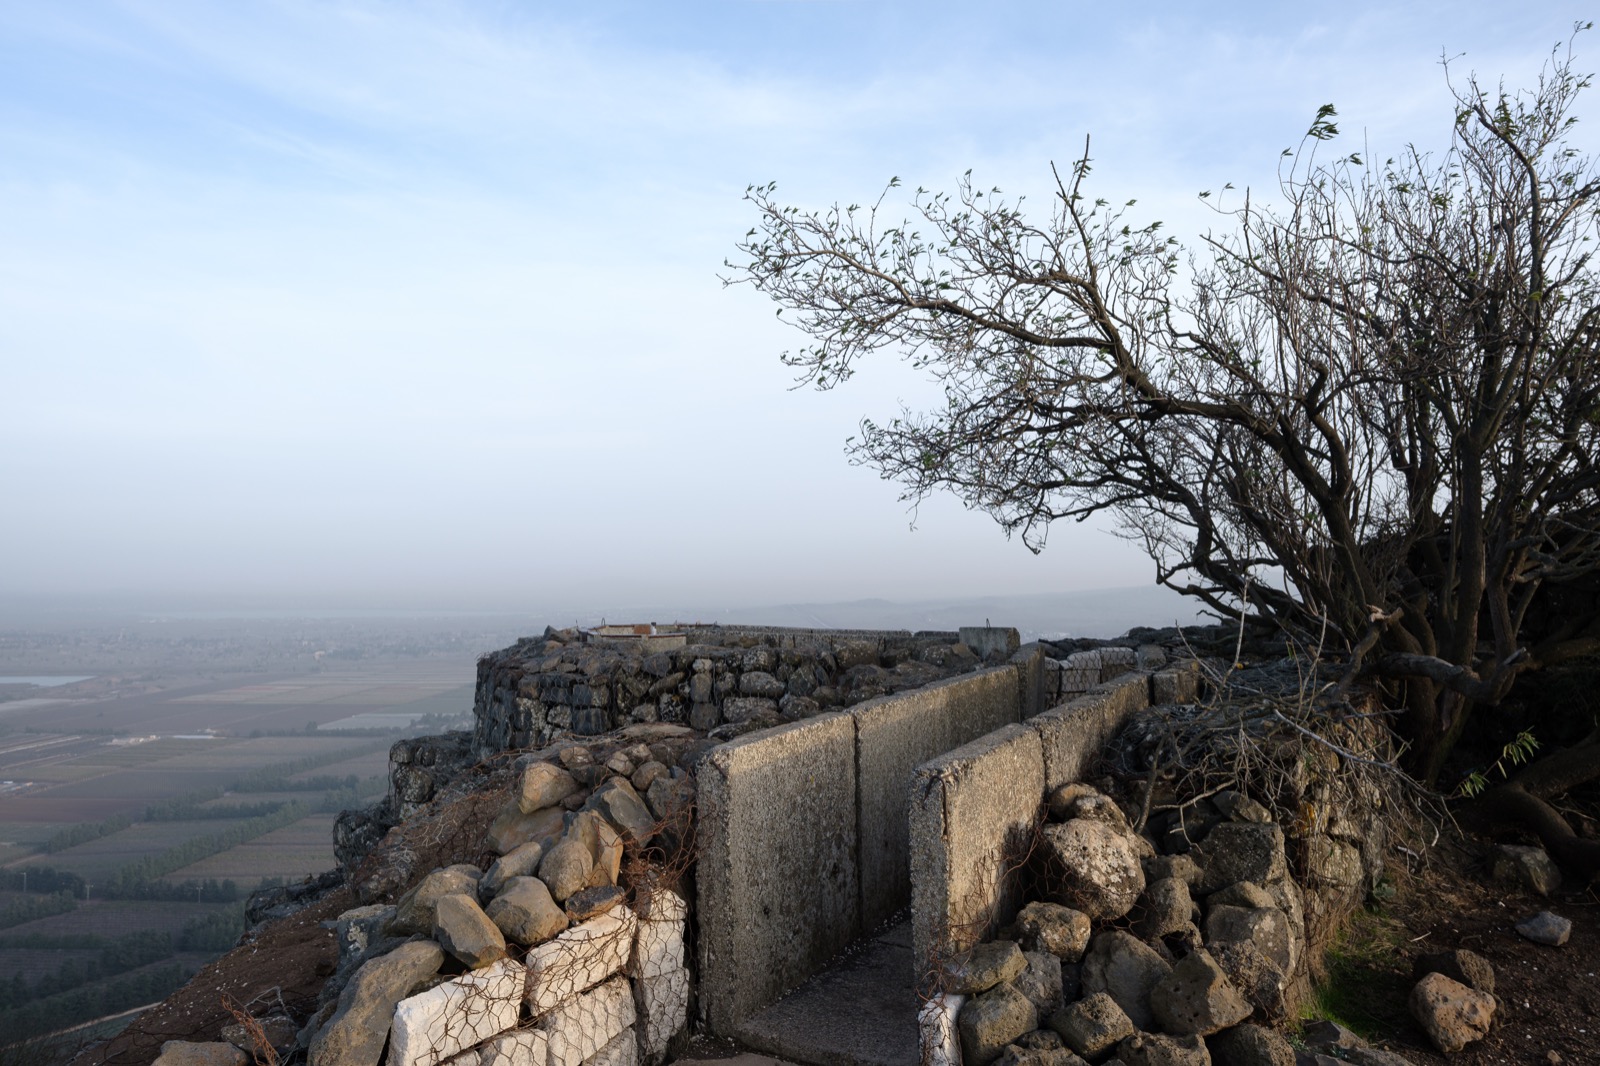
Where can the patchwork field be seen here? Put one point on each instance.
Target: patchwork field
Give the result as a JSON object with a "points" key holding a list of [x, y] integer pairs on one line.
{"points": [[103, 857], [116, 917], [293, 852]]}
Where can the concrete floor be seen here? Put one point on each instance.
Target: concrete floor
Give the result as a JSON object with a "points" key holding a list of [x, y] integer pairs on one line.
{"points": [[860, 1011]]}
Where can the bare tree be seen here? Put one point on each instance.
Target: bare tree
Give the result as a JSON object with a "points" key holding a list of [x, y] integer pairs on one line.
{"points": [[1367, 414]]}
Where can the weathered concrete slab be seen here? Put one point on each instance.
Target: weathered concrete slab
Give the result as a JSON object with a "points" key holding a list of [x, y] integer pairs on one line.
{"points": [[526, 1047], [777, 873], [1033, 679], [579, 958], [583, 1025], [443, 1021], [1073, 735], [896, 734], [662, 1005], [860, 1011], [973, 812]]}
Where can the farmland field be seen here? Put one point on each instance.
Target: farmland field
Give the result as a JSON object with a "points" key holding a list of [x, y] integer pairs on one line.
{"points": [[293, 852], [103, 857], [116, 917]]}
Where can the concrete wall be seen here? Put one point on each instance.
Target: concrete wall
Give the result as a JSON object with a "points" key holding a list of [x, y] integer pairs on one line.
{"points": [[777, 870], [972, 813], [895, 734], [1073, 734], [804, 831]]}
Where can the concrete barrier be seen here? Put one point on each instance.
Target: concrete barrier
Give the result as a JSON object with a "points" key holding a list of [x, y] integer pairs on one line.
{"points": [[1033, 679], [894, 735], [1072, 735], [972, 816], [777, 873]]}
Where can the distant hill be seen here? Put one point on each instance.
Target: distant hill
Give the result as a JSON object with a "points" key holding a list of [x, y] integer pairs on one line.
{"points": [[1086, 613]]}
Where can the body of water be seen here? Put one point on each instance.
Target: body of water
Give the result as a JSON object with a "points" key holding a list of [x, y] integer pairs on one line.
{"points": [[44, 682]]}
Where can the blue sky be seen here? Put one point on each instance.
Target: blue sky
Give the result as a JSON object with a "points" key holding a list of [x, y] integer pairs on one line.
{"points": [[416, 304]]}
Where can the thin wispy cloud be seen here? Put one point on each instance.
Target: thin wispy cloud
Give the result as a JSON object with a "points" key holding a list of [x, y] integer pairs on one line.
{"points": [[354, 298]]}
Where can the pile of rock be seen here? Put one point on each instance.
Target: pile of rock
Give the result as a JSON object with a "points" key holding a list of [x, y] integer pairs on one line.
{"points": [[725, 683], [1209, 927], [548, 956]]}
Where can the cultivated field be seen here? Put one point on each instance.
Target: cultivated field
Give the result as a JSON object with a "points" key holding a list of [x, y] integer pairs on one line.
{"points": [[116, 917], [102, 858], [293, 852]]}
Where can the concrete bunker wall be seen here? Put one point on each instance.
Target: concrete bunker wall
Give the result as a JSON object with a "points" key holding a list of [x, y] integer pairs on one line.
{"points": [[974, 809], [804, 830]]}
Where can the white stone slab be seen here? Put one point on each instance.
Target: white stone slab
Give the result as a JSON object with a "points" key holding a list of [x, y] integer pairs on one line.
{"points": [[662, 905], [936, 1025], [657, 946], [622, 1051], [663, 1011], [435, 1025], [1114, 662], [585, 1023], [579, 959], [525, 1047]]}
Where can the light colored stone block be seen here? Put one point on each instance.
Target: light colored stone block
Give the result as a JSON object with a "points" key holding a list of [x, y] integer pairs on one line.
{"points": [[936, 1028], [1114, 662], [657, 948], [1080, 672], [435, 1025], [663, 1011], [777, 871], [579, 958], [622, 1051], [973, 814], [587, 1022], [526, 1047]]}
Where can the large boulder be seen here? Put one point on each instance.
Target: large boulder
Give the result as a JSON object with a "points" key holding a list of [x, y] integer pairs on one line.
{"points": [[620, 805], [1260, 980], [1091, 866], [1250, 1045], [1041, 982], [566, 868], [1159, 1049], [512, 828], [1061, 931], [525, 913], [989, 1022], [1164, 908], [415, 912], [463, 930], [1197, 997], [1265, 927], [1092, 1025], [1126, 969], [518, 862], [1452, 1014], [985, 966], [1467, 967], [356, 1033], [1240, 851], [543, 785]]}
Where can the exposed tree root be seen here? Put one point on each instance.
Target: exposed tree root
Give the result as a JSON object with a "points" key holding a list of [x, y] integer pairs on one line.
{"points": [[1523, 801]]}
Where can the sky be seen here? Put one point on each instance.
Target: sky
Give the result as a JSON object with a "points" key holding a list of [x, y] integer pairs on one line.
{"points": [[417, 305]]}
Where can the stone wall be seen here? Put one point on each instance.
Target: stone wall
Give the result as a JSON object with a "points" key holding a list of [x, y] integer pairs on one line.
{"points": [[724, 680]]}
